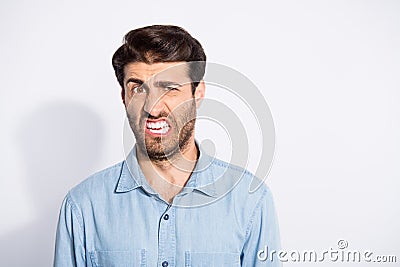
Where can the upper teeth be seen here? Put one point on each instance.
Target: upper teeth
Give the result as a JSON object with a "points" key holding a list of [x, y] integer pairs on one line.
{"points": [[157, 125]]}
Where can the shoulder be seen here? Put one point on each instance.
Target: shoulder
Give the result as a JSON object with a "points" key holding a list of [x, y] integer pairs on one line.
{"points": [[247, 195], [240, 185], [98, 184], [239, 178]]}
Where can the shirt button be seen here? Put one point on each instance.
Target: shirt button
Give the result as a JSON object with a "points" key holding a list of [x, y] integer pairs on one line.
{"points": [[164, 264], [166, 217]]}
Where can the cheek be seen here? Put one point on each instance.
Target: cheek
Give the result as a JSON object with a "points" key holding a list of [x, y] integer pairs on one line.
{"points": [[134, 107], [177, 103]]}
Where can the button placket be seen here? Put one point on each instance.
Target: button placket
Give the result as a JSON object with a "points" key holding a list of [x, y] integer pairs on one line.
{"points": [[166, 238]]}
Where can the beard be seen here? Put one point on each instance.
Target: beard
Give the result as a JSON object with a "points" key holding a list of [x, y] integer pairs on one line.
{"points": [[182, 123]]}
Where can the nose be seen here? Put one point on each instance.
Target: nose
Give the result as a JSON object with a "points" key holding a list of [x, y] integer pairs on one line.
{"points": [[154, 104]]}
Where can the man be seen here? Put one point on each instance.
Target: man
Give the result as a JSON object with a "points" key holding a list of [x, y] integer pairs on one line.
{"points": [[168, 203]]}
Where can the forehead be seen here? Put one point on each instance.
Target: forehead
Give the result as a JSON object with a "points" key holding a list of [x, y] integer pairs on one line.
{"points": [[161, 70]]}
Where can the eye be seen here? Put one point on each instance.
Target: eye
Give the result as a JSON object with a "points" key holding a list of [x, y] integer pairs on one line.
{"points": [[138, 89], [172, 88]]}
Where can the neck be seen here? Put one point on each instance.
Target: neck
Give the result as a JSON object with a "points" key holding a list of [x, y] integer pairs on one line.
{"points": [[175, 170]]}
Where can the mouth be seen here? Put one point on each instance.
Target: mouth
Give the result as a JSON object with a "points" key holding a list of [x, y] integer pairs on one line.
{"points": [[157, 127]]}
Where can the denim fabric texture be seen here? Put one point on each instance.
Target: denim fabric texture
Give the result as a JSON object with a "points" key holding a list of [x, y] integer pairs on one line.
{"points": [[114, 218]]}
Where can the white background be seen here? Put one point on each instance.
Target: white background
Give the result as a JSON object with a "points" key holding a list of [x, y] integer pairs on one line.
{"points": [[328, 69]]}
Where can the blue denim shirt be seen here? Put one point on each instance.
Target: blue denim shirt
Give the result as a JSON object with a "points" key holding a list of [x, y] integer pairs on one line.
{"points": [[114, 218]]}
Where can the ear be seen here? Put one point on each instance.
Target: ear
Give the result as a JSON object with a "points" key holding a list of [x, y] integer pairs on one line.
{"points": [[123, 96], [200, 93]]}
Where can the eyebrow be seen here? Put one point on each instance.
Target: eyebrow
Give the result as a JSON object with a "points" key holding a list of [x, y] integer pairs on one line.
{"points": [[162, 84], [167, 84], [134, 80]]}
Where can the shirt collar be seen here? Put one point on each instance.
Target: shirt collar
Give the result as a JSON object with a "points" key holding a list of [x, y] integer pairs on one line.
{"points": [[201, 180]]}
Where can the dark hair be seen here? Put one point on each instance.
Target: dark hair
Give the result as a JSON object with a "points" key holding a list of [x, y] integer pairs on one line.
{"points": [[160, 43]]}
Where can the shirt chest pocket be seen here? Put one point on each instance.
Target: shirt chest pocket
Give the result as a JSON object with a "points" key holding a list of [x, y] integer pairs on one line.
{"points": [[119, 258], [206, 259]]}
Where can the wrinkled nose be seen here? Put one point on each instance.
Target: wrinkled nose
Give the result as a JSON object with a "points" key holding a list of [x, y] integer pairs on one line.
{"points": [[154, 104]]}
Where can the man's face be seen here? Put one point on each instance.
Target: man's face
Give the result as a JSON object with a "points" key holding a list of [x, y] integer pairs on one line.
{"points": [[160, 107]]}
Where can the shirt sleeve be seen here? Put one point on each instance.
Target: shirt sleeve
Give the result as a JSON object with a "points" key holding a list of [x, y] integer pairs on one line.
{"points": [[69, 249], [262, 243]]}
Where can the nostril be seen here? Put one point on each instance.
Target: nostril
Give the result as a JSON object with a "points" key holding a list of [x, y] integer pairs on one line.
{"points": [[149, 116]]}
